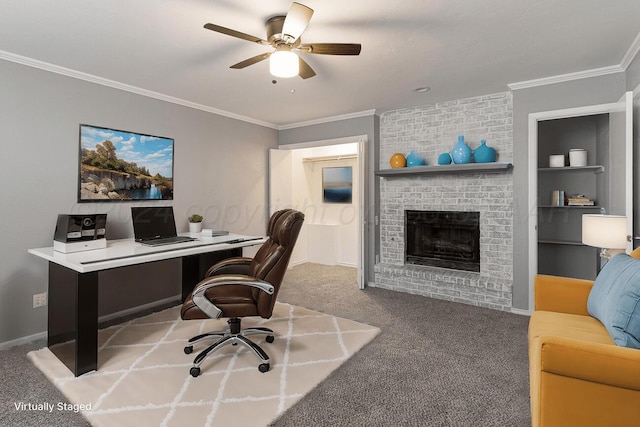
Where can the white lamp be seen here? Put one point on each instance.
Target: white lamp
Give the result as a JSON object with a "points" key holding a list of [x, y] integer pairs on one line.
{"points": [[608, 232], [284, 63]]}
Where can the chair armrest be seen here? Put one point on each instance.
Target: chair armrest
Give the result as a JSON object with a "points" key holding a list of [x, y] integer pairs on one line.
{"points": [[235, 265], [594, 362], [562, 294], [203, 303]]}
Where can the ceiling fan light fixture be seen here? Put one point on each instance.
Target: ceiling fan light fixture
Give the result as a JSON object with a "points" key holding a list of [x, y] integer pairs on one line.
{"points": [[284, 63]]}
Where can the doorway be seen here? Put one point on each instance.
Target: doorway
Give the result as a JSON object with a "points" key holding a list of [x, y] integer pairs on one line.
{"points": [[300, 178]]}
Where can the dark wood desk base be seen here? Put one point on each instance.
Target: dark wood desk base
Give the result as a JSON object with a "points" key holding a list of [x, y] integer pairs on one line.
{"points": [[72, 333]]}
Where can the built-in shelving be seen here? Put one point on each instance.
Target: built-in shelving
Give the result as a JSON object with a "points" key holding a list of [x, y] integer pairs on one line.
{"points": [[439, 169], [594, 168], [570, 207], [561, 242]]}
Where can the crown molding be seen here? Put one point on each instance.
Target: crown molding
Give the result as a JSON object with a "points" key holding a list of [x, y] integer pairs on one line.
{"points": [[45, 66], [561, 78], [633, 50], [628, 57], [330, 119]]}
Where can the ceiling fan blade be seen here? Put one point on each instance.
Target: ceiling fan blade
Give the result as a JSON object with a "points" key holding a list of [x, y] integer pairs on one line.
{"points": [[234, 33], [296, 21], [331, 48], [251, 61], [305, 69]]}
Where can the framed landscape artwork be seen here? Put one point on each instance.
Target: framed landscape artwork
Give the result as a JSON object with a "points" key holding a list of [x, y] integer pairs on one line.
{"points": [[118, 165], [337, 184]]}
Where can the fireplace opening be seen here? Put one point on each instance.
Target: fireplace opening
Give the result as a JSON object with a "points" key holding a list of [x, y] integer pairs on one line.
{"points": [[443, 239]]}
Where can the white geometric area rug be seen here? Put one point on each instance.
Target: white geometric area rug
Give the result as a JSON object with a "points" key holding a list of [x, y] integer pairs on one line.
{"points": [[143, 373]]}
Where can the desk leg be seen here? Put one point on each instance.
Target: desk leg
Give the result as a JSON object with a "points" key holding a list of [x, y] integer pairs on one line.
{"points": [[72, 333], [195, 266], [190, 274]]}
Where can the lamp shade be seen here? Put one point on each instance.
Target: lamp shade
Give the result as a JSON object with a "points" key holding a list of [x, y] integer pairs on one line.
{"points": [[284, 63], [604, 231]]}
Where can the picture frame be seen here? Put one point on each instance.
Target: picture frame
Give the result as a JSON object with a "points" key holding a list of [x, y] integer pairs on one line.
{"points": [[116, 165], [337, 184]]}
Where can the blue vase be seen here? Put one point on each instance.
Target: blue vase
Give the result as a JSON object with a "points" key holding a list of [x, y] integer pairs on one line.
{"points": [[414, 160], [484, 154], [461, 152], [444, 159]]}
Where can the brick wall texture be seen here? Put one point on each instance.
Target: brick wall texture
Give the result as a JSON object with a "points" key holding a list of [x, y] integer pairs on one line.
{"points": [[430, 130]]}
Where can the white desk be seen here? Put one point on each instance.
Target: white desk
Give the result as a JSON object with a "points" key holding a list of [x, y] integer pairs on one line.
{"points": [[72, 332]]}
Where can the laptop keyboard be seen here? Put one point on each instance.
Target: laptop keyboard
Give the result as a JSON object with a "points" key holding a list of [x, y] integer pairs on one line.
{"points": [[167, 240]]}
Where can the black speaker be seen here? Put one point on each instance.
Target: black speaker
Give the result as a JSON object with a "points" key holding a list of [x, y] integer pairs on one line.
{"points": [[81, 228]]}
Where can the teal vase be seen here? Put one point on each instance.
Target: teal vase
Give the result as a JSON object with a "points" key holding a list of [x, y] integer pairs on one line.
{"points": [[461, 152], [414, 160], [444, 159], [484, 154]]}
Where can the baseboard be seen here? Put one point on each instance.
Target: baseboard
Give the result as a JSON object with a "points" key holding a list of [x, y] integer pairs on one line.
{"points": [[23, 340], [520, 311], [346, 264], [299, 262], [140, 310]]}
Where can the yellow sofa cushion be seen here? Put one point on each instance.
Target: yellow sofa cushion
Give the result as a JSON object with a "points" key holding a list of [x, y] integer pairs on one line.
{"points": [[574, 326]]}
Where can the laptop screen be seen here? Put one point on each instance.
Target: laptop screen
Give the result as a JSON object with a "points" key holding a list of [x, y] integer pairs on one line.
{"points": [[153, 221]]}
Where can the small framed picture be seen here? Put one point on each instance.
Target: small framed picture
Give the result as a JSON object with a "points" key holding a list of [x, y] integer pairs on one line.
{"points": [[337, 184]]}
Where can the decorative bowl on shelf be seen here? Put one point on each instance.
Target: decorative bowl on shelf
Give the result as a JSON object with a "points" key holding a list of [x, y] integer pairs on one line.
{"points": [[414, 160], [556, 161], [484, 154], [577, 157], [398, 160], [444, 159]]}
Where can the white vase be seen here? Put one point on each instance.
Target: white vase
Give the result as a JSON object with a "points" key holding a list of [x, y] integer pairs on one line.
{"points": [[195, 227]]}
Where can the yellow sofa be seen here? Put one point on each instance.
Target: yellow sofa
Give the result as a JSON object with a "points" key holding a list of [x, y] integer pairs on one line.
{"points": [[578, 376]]}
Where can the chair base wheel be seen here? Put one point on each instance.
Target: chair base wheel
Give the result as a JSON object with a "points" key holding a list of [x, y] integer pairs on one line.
{"points": [[188, 349], [264, 367], [195, 371], [270, 338]]}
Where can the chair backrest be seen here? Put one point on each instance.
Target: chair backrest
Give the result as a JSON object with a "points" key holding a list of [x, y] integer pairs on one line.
{"points": [[272, 259]]}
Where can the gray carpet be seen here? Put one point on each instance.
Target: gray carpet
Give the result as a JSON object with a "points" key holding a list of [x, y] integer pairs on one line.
{"points": [[435, 363]]}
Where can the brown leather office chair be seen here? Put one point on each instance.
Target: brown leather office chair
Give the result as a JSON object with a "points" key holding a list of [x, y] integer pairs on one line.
{"points": [[241, 287]]}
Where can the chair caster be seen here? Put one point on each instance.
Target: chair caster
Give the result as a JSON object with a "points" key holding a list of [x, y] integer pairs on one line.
{"points": [[188, 349], [195, 371], [263, 367], [270, 338]]}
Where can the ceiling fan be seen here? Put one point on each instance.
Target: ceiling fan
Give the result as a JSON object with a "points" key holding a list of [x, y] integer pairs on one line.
{"points": [[283, 34]]}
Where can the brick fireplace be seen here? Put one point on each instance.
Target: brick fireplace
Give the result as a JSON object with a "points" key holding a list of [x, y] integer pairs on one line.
{"points": [[430, 130], [446, 239]]}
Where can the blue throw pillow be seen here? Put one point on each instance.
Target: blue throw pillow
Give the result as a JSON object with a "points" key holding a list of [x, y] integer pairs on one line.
{"points": [[615, 300]]}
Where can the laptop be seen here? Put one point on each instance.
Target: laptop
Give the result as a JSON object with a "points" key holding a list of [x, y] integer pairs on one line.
{"points": [[155, 226]]}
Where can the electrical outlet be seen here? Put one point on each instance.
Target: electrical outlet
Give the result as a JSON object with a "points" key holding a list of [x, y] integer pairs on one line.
{"points": [[39, 300]]}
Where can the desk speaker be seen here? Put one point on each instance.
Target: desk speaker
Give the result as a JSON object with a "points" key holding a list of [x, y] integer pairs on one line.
{"points": [[76, 233]]}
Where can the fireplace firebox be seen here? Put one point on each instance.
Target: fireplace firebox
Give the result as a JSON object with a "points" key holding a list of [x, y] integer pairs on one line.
{"points": [[443, 239]]}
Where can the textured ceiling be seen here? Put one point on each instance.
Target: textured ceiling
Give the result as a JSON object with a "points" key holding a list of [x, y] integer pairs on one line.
{"points": [[459, 48]]}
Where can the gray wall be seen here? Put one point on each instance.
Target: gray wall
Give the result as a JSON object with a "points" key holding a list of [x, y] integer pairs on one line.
{"points": [[577, 93], [633, 73], [41, 112], [367, 125], [633, 83], [220, 170]]}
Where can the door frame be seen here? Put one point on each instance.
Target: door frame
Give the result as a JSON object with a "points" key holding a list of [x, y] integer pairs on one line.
{"points": [[362, 142], [534, 119]]}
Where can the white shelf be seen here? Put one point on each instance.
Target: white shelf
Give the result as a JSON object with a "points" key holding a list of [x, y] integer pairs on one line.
{"points": [[594, 169], [570, 207], [560, 242]]}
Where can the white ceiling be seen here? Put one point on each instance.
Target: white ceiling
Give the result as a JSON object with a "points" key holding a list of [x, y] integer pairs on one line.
{"points": [[459, 48]]}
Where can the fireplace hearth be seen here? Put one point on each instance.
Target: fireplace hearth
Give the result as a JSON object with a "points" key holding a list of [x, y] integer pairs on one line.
{"points": [[443, 239]]}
